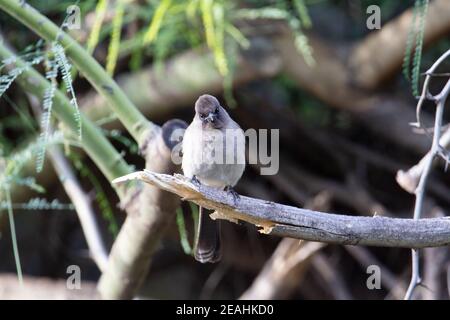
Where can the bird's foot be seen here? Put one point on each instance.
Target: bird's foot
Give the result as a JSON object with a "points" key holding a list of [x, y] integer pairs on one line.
{"points": [[234, 194], [195, 181]]}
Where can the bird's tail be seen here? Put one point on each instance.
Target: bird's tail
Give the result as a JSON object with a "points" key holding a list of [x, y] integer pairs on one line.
{"points": [[207, 243]]}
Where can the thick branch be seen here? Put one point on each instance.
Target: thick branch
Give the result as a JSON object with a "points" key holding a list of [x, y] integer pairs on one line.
{"points": [[151, 211], [305, 224]]}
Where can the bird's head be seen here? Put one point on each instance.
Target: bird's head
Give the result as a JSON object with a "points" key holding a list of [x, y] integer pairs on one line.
{"points": [[210, 112]]}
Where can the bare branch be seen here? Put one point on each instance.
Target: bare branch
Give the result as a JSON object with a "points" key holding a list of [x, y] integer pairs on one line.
{"points": [[287, 221], [83, 207], [427, 162], [409, 180]]}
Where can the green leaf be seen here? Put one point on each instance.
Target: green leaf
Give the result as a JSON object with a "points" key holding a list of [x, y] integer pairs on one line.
{"points": [[183, 232]]}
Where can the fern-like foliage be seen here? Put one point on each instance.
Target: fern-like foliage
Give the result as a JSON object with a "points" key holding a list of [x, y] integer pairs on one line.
{"points": [[100, 11], [419, 46], [100, 195], [7, 79], [119, 137], [177, 24], [17, 161], [302, 12], [36, 204], [56, 62], [213, 22], [65, 67], [301, 41], [156, 22], [415, 37], [47, 105], [30, 182], [113, 49], [409, 43]]}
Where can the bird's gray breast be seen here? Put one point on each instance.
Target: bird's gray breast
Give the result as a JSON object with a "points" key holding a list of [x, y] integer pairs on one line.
{"points": [[221, 161]]}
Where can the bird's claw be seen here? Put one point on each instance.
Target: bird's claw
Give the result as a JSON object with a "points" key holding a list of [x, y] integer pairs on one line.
{"points": [[195, 181], [234, 194]]}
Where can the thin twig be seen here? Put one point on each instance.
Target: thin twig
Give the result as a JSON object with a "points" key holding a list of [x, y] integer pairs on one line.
{"points": [[409, 180], [440, 100]]}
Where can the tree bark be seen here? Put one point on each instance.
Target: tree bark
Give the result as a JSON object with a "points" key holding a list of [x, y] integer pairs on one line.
{"points": [[149, 213], [287, 221]]}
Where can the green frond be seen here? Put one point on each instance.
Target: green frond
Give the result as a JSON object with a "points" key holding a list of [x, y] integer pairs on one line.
{"points": [[156, 22], [303, 14], [38, 204], [237, 35], [409, 42], [163, 45], [7, 79], [301, 42], [47, 104], [18, 160], [29, 182], [100, 11], [114, 43], [65, 68], [119, 137], [100, 195], [183, 232], [262, 13], [419, 46], [192, 8], [208, 22]]}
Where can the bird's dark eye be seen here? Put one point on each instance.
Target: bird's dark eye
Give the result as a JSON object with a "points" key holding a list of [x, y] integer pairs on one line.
{"points": [[216, 111], [202, 116]]}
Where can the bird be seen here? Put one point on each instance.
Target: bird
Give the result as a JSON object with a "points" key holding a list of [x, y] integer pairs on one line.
{"points": [[213, 151]]}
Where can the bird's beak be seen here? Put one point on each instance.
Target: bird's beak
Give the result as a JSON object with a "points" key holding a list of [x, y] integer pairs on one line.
{"points": [[210, 118]]}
